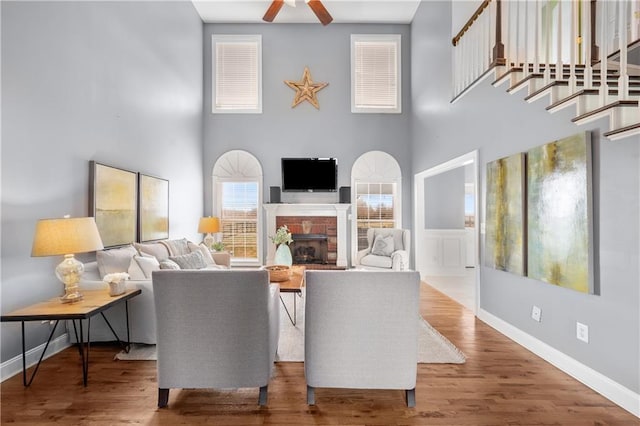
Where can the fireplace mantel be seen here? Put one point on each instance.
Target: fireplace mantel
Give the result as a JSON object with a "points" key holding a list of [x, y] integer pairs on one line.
{"points": [[298, 209]]}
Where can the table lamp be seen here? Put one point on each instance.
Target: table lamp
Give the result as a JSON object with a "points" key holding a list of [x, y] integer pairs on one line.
{"points": [[67, 236], [209, 225]]}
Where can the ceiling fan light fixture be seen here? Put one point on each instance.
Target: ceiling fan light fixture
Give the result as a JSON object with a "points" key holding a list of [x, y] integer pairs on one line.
{"points": [[316, 6], [321, 12]]}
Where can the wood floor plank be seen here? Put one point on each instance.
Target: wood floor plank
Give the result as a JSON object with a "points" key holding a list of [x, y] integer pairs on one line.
{"points": [[500, 384]]}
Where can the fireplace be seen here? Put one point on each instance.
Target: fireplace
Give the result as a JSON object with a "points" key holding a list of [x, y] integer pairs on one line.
{"points": [[314, 238], [320, 230], [309, 249]]}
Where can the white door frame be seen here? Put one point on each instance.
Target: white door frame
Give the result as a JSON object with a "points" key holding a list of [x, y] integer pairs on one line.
{"points": [[419, 206]]}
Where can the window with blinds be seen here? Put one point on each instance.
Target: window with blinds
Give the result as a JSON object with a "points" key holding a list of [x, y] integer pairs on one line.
{"points": [[237, 69], [375, 204], [239, 218], [375, 74]]}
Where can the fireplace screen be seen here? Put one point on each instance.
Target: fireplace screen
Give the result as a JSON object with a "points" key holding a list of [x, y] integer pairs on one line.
{"points": [[309, 248]]}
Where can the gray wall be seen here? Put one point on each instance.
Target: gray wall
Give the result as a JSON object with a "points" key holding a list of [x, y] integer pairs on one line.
{"points": [[331, 131], [444, 200], [115, 82], [498, 125]]}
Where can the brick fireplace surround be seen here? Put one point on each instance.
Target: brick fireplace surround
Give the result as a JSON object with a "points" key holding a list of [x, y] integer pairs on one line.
{"points": [[321, 237], [325, 220]]}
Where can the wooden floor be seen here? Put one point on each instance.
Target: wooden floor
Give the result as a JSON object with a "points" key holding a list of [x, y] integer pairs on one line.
{"points": [[500, 384]]}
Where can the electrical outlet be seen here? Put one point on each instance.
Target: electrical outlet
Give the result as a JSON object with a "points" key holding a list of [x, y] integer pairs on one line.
{"points": [[536, 312], [582, 332]]}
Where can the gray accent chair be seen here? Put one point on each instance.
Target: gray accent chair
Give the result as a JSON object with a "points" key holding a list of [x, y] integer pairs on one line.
{"points": [[398, 260], [361, 330], [215, 329]]}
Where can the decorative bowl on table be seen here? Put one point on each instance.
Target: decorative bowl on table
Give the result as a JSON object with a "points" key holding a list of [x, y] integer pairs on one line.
{"points": [[278, 273]]}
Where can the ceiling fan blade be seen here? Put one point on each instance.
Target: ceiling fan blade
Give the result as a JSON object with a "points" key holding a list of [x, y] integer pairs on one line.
{"points": [[273, 10], [320, 11]]}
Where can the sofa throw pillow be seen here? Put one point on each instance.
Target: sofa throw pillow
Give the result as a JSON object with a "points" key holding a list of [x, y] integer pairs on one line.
{"points": [[193, 247], [382, 246], [157, 250], [169, 264], [114, 260], [176, 247], [135, 271], [193, 260], [148, 264]]}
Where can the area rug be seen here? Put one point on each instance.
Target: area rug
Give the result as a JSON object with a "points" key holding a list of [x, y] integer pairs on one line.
{"points": [[433, 348]]}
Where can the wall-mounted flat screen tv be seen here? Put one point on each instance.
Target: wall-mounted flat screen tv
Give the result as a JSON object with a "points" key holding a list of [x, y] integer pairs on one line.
{"points": [[309, 174]]}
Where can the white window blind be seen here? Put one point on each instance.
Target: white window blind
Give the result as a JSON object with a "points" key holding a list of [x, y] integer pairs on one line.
{"points": [[375, 204], [239, 218], [237, 67], [375, 73]]}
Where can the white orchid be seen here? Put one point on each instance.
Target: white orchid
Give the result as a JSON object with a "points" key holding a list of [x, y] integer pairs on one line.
{"points": [[283, 236], [115, 277]]}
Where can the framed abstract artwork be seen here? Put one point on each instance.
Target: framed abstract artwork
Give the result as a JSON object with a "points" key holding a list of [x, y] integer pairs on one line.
{"points": [[113, 202], [559, 209], [153, 208], [505, 234]]}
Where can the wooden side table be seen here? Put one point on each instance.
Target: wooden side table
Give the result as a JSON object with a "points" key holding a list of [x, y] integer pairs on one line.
{"points": [[94, 302], [293, 285]]}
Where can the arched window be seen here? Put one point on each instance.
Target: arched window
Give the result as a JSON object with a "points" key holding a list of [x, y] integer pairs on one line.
{"points": [[376, 182], [237, 198]]}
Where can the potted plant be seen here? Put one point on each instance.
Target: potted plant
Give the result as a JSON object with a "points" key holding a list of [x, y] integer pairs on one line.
{"points": [[218, 246]]}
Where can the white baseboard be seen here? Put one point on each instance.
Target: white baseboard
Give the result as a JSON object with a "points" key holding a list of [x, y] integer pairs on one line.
{"points": [[13, 366], [614, 391]]}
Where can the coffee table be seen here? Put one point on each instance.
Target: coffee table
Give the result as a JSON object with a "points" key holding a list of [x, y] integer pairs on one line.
{"points": [[293, 285]]}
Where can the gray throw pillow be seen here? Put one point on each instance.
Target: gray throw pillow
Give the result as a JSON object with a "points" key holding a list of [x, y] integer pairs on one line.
{"points": [[169, 264], [383, 246], [114, 260], [194, 260]]}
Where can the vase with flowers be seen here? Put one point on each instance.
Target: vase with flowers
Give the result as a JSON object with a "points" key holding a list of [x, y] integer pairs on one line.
{"points": [[282, 239]]}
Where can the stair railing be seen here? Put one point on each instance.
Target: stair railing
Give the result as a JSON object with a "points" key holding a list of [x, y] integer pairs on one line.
{"points": [[478, 47], [554, 47]]}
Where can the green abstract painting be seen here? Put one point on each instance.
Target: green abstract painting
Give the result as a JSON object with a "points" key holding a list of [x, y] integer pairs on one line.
{"points": [[559, 213], [505, 222]]}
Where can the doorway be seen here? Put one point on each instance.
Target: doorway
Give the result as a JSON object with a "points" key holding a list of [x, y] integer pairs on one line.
{"points": [[447, 229]]}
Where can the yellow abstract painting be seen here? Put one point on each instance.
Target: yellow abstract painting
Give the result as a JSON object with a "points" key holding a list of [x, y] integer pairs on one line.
{"points": [[114, 203], [559, 206], [505, 223], [154, 208]]}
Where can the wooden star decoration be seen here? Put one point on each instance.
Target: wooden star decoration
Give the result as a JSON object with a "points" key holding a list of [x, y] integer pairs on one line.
{"points": [[306, 90]]}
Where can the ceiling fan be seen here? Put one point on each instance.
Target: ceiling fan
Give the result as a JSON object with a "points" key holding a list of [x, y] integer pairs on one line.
{"points": [[316, 5]]}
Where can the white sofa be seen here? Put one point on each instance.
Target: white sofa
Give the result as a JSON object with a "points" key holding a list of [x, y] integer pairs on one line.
{"points": [[216, 329], [142, 323], [361, 330]]}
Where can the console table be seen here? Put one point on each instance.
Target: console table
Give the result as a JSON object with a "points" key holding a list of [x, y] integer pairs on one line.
{"points": [[93, 303]]}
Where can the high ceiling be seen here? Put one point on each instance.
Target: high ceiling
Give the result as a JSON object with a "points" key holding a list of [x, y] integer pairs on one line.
{"points": [[342, 11]]}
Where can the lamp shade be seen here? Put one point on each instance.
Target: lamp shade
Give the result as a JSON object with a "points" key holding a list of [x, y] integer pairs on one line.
{"points": [[66, 236], [209, 225]]}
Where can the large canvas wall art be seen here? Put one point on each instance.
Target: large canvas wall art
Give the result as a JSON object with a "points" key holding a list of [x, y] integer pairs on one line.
{"points": [[505, 218], [559, 208], [154, 208], [113, 203]]}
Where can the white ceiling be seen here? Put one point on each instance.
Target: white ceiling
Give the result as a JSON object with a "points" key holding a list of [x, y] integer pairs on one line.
{"points": [[342, 11]]}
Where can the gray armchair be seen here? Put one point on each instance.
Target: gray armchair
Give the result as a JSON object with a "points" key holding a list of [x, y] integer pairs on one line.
{"points": [[215, 329], [361, 330], [390, 252]]}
